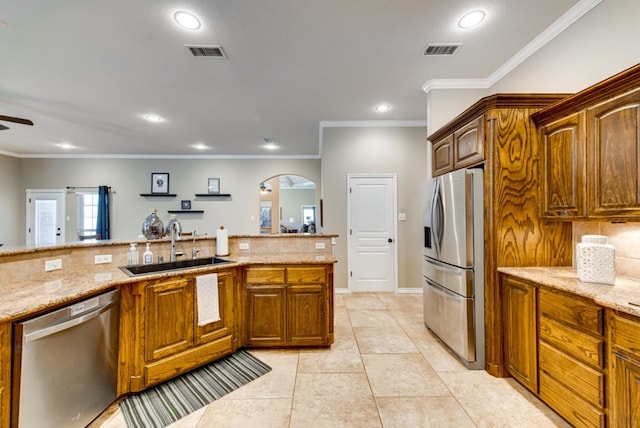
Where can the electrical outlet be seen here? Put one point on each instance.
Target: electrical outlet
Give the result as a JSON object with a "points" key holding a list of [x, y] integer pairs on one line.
{"points": [[102, 258], [50, 265], [319, 245], [244, 245]]}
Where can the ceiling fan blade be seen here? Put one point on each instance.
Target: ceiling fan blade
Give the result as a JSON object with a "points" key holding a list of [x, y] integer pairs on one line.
{"points": [[16, 120], [2, 127]]}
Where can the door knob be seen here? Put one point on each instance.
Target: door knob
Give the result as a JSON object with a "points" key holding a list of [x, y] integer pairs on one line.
{"points": [[389, 240]]}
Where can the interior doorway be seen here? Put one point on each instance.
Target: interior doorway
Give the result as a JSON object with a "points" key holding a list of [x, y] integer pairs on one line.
{"points": [[45, 217], [372, 213]]}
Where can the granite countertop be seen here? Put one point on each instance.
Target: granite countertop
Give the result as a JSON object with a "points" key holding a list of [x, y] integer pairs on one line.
{"points": [[22, 299], [624, 295]]}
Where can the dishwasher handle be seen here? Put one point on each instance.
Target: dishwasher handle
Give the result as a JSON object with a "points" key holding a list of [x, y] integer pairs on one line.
{"points": [[48, 331]]}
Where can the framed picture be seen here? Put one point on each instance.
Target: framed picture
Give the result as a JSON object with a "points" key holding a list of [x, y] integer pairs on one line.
{"points": [[186, 205], [214, 185], [160, 182]]}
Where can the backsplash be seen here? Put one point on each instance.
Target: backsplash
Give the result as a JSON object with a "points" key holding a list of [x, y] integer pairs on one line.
{"points": [[625, 237]]}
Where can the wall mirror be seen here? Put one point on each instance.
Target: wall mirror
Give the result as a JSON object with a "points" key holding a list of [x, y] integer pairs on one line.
{"points": [[288, 205]]}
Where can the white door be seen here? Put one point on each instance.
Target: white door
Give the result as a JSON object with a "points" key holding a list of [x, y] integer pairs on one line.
{"points": [[45, 217], [371, 207]]}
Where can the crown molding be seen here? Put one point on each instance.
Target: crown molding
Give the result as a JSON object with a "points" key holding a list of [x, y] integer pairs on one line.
{"points": [[142, 156], [572, 15], [372, 123]]}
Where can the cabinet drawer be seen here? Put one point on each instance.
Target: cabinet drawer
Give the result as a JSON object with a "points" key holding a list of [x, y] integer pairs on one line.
{"points": [[576, 312], [625, 334], [258, 275], [581, 346], [578, 412], [306, 275], [582, 380]]}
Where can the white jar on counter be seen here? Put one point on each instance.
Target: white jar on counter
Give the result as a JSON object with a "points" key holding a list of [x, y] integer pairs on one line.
{"points": [[595, 260]]}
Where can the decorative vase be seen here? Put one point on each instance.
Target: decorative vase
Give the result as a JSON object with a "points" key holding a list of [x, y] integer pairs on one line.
{"points": [[595, 260], [152, 226]]}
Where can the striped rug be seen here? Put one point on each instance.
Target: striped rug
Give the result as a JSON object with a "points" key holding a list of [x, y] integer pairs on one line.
{"points": [[166, 403]]}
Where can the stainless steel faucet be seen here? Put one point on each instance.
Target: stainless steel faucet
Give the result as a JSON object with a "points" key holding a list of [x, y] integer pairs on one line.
{"points": [[194, 250]]}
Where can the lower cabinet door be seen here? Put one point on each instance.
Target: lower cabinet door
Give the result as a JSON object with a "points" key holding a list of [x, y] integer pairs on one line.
{"points": [[266, 313], [307, 315], [625, 409]]}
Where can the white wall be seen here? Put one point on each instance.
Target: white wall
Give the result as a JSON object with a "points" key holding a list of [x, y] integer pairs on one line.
{"points": [[129, 178], [11, 232], [402, 151]]}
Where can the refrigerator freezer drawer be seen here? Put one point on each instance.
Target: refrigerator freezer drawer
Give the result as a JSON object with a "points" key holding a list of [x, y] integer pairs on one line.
{"points": [[454, 278], [450, 316]]}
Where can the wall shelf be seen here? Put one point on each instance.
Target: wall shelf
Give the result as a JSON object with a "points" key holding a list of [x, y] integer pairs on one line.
{"points": [[185, 211], [159, 195], [213, 195]]}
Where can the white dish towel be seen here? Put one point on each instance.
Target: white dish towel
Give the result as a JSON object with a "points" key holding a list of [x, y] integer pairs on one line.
{"points": [[207, 299]]}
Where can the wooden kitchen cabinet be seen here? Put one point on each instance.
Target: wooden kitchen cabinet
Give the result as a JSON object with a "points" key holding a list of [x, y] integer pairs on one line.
{"points": [[498, 135], [624, 370], [590, 147], [5, 373], [161, 317], [289, 306], [520, 335], [571, 357], [563, 172]]}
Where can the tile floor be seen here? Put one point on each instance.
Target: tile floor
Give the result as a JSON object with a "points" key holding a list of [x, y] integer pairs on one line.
{"points": [[384, 370]]}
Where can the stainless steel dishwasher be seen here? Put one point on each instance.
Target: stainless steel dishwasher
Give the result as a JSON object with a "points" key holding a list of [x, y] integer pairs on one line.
{"points": [[65, 364]]}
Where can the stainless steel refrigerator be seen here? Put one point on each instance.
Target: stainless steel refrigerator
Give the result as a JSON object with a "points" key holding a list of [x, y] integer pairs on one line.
{"points": [[453, 264]]}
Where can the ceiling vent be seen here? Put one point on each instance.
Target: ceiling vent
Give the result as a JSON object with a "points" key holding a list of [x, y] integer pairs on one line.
{"points": [[212, 51], [442, 49]]}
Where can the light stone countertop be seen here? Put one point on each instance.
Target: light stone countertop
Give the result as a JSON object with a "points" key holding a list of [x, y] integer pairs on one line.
{"points": [[624, 295], [28, 297]]}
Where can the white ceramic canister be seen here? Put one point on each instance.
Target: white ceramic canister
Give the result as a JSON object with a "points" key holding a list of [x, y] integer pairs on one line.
{"points": [[595, 260]]}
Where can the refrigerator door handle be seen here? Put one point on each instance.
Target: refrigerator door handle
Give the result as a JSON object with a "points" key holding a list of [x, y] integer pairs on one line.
{"points": [[437, 217], [444, 268]]}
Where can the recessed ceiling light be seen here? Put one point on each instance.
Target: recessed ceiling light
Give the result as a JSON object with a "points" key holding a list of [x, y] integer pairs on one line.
{"points": [[471, 19], [383, 108], [270, 146], [187, 20], [199, 146], [153, 118], [66, 146]]}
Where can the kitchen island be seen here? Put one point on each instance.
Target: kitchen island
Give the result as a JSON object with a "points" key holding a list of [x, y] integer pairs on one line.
{"points": [[576, 345], [160, 336]]}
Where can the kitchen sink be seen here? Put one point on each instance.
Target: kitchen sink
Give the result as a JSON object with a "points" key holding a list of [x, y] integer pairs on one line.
{"points": [[137, 270]]}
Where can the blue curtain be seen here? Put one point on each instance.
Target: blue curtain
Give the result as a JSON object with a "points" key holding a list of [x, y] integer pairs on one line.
{"points": [[102, 226]]}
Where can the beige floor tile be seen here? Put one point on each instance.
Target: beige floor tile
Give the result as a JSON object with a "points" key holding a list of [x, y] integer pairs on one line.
{"points": [[402, 375], [371, 318], [383, 340], [408, 318], [342, 357], [363, 301], [258, 413], [417, 412], [494, 402], [438, 356], [334, 400], [402, 301], [278, 383]]}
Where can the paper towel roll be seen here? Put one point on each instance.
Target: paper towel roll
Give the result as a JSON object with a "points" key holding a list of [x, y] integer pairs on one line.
{"points": [[222, 242]]}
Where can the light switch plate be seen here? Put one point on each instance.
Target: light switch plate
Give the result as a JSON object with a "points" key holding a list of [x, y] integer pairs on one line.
{"points": [[102, 258], [50, 265], [244, 245], [319, 245]]}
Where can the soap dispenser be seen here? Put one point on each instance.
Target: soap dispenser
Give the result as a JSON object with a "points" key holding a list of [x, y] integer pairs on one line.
{"points": [[132, 255], [147, 257]]}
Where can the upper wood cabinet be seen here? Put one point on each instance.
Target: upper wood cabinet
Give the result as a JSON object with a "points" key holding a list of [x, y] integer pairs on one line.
{"points": [[461, 149], [590, 149]]}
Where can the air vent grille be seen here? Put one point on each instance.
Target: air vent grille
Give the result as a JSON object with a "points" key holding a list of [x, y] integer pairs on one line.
{"points": [[442, 49], [212, 51]]}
